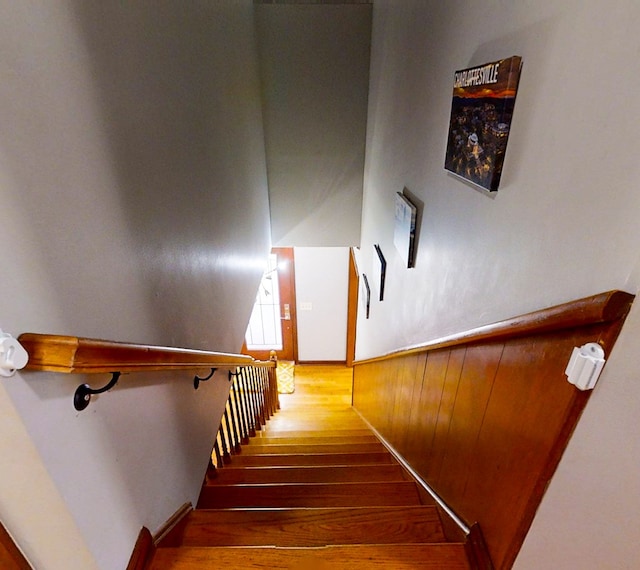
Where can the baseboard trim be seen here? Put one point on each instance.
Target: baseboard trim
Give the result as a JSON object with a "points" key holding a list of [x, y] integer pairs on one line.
{"points": [[325, 362], [10, 553], [143, 551], [169, 534], [418, 479], [476, 549]]}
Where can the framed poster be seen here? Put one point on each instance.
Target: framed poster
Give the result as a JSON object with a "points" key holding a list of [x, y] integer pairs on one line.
{"points": [[404, 231], [481, 112]]}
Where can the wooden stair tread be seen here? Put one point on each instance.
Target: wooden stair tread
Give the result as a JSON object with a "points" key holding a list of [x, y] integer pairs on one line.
{"points": [[269, 432], [356, 557], [309, 474], [397, 493], [313, 405], [312, 527], [317, 439], [342, 413], [314, 448], [312, 424], [309, 459]]}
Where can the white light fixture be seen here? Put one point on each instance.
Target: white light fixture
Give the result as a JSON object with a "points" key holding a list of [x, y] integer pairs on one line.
{"points": [[585, 365], [13, 356]]}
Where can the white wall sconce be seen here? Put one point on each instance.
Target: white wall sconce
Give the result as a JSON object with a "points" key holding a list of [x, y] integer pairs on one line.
{"points": [[585, 365], [13, 356]]}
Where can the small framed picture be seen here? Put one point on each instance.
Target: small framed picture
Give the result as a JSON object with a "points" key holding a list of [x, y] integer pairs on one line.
{"points": [[380, 270], [365, 294], [404, 232]]}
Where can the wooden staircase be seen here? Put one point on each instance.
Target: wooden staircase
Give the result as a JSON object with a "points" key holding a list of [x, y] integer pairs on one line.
{"points": [[314, 489]]}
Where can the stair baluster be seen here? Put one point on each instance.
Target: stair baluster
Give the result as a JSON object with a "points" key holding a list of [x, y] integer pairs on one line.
{"points": [[246, 407], [260, 396], [255, 399], [251, 414], [244, 430], [225, 439], [233, 424], [217, 453]]}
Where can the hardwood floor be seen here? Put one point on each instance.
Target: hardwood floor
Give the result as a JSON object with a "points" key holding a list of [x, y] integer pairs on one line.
{"points": [[321, 402]]}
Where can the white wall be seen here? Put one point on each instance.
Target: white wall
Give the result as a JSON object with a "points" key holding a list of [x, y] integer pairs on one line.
{"points": [[314, 64], [562, 226], [322, 283], [134, 207], [569, 178]]}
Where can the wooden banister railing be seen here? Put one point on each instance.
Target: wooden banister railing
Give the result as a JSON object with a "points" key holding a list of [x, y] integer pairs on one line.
{"points": [[253, 390], [598, 309], [70, 354], [75, 355], [253, 399]]}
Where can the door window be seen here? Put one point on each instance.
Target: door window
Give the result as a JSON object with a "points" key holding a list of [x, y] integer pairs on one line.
{"points": [[265, 328]]}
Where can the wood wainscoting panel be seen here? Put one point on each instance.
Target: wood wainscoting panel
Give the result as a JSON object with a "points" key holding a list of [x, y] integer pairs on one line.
{"points": [[472, 398], [432, 465], [405, 398], [484, 418], [412, 445]]}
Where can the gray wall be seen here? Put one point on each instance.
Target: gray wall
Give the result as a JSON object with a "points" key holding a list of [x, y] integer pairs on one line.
{"points": [[563, 225], [134, 208], [314, 64]]}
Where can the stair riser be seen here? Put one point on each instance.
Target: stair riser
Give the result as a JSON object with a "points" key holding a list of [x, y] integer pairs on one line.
{"points": [[314, 448], [385, 557], [272, 432], [317, 439], [309, 422], [266, 460], [309, 495], [328, 474], [313, 527]]}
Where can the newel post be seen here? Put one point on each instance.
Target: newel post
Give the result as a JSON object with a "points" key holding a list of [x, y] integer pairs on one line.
{"points": [[273, 380]]}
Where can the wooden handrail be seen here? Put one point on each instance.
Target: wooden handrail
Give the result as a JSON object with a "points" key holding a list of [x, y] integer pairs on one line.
{"points": [[602, 308], [70, 354]]}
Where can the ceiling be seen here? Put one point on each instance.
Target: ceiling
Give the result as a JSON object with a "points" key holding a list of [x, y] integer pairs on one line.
{"points": [[314, 68]]}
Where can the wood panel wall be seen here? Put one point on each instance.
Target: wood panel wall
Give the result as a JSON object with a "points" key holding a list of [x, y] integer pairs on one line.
{"points": [[484, 416]]}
